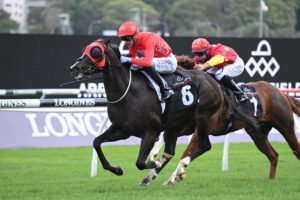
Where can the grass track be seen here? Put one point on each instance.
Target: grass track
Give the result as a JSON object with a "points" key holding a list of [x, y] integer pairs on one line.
{"points": [[64, 173]]}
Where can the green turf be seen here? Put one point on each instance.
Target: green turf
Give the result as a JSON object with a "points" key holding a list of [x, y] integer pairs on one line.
{"points": [[64, 173]]}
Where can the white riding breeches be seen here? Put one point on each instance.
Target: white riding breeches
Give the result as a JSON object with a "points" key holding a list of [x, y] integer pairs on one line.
{"points": [[232, 70], [165, 65]]}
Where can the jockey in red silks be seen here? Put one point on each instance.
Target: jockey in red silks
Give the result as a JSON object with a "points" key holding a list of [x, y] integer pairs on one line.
{"points": [[157, 56], [220, 61]]}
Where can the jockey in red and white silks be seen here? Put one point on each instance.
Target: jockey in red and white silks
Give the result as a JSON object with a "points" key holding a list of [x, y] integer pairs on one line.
{"points": [[154, 51], [149, 52]]}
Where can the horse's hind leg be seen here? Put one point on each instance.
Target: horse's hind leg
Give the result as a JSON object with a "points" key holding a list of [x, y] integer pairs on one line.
{"points": [[196, 147], [185, 160], [157, 146], [163, 161], [169, 152], [284, 122], [266, 148], [290, 136]]}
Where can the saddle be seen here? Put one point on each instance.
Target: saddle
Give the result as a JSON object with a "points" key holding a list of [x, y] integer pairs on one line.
{"points": [[177, 80]]}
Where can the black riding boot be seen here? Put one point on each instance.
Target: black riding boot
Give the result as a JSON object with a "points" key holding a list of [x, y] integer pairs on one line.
{"points": [[230, 83], [165, 89]]}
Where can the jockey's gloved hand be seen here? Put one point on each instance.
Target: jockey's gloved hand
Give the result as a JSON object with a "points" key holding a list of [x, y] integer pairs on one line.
{"points": [[125, 59]]}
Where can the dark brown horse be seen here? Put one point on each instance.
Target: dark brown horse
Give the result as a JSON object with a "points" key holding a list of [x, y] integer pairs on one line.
{"points": [[134, 109], [277, 112]]}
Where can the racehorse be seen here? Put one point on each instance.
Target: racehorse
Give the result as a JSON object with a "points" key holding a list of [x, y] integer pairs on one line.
{"points": [[134, 109], [277, 112]]}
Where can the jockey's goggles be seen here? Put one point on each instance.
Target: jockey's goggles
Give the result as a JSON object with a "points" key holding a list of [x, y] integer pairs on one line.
{"points": [[127, 38], [200, 53]]}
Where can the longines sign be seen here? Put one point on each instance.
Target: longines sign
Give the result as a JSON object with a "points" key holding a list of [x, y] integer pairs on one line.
{"points": [[51, 128]]}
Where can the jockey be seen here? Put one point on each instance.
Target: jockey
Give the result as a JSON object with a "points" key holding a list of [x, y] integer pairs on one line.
{"points": [[157, 56], [220, 61]]}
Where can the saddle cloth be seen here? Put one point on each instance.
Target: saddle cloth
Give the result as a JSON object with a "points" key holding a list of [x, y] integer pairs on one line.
{"points": [[185, 92], [253, 105]]}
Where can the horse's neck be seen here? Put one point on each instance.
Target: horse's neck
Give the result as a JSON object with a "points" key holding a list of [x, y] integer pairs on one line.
{"points": [[116, 81]]}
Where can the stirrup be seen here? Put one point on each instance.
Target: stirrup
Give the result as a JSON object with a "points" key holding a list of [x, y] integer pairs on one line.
{"points": [[241, 97], [165, 94]]}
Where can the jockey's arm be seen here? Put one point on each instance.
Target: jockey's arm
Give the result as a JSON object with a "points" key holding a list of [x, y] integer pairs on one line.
{"points": [[214, 61], [145, 61], [201, 67]]}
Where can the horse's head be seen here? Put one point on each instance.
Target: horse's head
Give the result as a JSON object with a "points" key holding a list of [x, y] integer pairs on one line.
{"points": [[93, 59], [185, 62]]}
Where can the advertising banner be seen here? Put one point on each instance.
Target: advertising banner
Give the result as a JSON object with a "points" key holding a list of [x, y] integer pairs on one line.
{"points": [[42, 57], [51, 127], [65, 127]]}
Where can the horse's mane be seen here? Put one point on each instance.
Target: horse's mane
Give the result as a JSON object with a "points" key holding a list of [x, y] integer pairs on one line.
{"points": [[184, 62], [115, 49]]}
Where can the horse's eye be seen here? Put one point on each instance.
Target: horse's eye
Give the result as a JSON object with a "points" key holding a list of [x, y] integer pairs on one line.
{"points": [[96, 52]]}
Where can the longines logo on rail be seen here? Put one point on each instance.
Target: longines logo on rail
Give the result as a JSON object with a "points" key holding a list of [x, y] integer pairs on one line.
{"points": [[263, 53]]}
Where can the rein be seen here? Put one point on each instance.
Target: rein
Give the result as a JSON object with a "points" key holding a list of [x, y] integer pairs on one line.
{"points": [[126, 91], [78, 81]]}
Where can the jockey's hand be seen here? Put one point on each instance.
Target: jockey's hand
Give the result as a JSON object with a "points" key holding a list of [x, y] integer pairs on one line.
{"points": [[125, 59], [201, 67]]}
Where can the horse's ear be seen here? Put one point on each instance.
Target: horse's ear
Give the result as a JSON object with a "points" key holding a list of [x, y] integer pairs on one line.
{"points": [[107, 41], [99, 39]]}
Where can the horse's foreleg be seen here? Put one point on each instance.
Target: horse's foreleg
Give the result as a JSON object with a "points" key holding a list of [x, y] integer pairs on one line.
{"points": [[110, 135], [146, 145]]}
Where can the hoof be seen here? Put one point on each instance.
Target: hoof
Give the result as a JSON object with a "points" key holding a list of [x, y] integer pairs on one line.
{"points": [[180, 177], [168, 183], [117, 171], [145, 182]]}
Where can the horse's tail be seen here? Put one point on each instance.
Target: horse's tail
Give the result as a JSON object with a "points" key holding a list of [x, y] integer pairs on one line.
{"points": [[250, 121], [294, 103]]}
